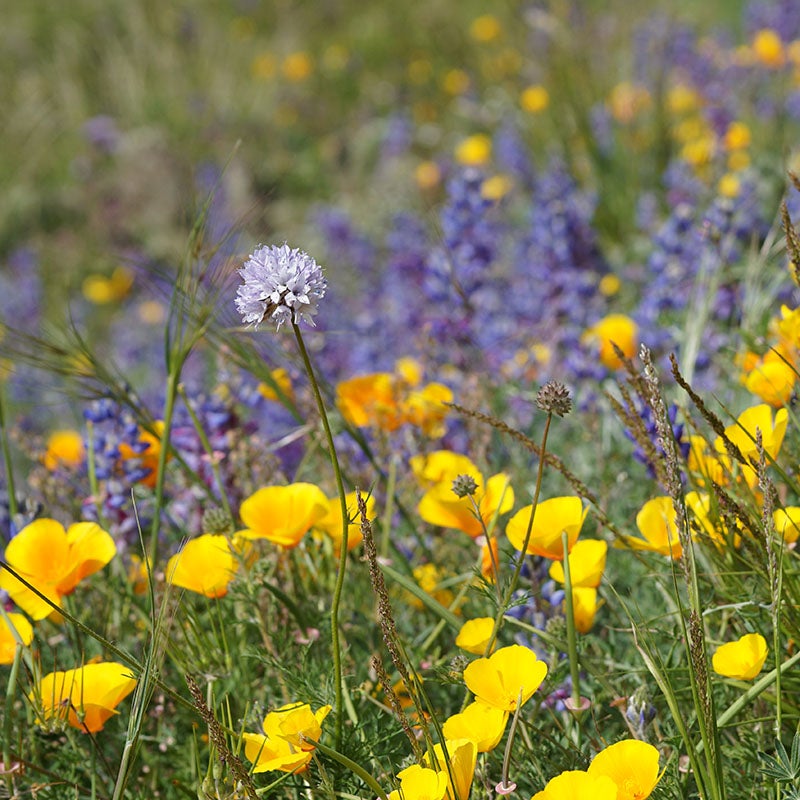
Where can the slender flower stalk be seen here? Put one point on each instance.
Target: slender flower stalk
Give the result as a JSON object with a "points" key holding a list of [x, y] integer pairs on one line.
{"points": [[572, 640], [169, 409], [209, 451], [337, 592], [12, 495], [91, 468], [504, 787], [518, 568], [285, 285]]}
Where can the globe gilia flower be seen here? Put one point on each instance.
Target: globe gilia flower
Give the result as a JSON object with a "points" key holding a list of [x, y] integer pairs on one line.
{"points": [[279, 283]]}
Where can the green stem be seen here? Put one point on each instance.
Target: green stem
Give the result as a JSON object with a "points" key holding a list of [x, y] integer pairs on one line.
{"points": [[8, 715], [337, 592], [169, 407], [356, 769], [512, 586], [386, 528], [509, 742], [754, 691], [124, 657], [572, 639], [209, 452], [12, 494], [94, 486]]}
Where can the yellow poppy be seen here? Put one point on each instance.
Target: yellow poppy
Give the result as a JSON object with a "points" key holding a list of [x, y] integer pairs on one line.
{"points": [[441, 506], [743, 434], [584, 607], [441, 466], [14, 630], [204, 565], [288, 738], [283, 383], [274, 754], [508, 677], [742, 659], [553, 517], [475, 634], [480, 722], [768, 48], [283, 514], [587, 560], [147, 453], [370, 400], [331, 523], [420, 783], [458, 766], [787, 523], [615, 329], [772, 380], [86, 697], [64, 448], [578, 785], [474, 151], [656, 523], [632, 765], [53, 560]]}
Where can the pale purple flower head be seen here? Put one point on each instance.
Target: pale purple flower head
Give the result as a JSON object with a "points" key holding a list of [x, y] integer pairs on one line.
{"points": [[281, 283]]}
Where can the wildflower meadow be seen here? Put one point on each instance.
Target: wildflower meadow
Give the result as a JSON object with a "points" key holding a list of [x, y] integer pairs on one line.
{"points": [[398, 400]]}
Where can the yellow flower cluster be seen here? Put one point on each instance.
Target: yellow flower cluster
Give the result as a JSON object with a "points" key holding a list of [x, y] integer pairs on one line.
{"points": [[387, 400], [773, 375], [627, 770], [289, 737]]}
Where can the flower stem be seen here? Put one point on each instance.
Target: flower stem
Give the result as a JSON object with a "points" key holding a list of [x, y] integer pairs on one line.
{"points": [[572, 639], [169, 407], [12, 494], [209, 451], [512, 586], [337, 592]]}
